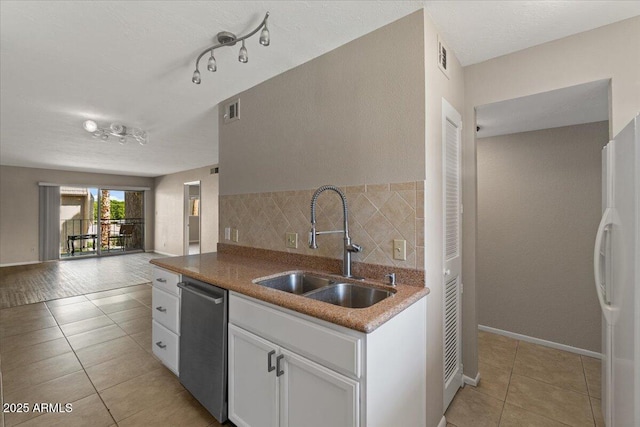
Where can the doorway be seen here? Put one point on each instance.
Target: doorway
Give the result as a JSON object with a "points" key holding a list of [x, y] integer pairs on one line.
{"points": [[538, 208], [192, 214], [539, 204]]}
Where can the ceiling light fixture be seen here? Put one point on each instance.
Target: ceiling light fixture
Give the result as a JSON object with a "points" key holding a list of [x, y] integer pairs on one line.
{"points": [[226, 38], [120, 131]]}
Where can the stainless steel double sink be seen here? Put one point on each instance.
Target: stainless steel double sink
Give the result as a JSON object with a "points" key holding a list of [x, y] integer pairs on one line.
{"points": [[326, 290]]}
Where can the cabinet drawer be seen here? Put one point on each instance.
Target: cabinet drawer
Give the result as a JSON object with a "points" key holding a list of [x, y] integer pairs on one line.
{"points": [[166, 280], [166, 309], [166, 346], [324, 345]]}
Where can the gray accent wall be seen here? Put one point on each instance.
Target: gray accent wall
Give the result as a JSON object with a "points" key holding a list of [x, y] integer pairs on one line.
{"points": [[539, 197]]}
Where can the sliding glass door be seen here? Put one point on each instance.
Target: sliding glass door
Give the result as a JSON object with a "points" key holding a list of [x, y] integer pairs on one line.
{"points": [[99, 221], [121, 221], [78, 227]]}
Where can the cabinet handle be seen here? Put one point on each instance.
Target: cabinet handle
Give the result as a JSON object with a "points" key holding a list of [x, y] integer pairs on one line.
{"points": [[161, 280], [270, 366], [161, 309], [278, 359], [159, 344]]}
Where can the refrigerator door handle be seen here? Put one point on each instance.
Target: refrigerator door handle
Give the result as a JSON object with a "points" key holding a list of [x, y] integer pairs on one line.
{"points": [[605, 223]]}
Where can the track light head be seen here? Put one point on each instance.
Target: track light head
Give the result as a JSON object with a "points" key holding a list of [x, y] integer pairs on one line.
{"points": [[196, 77], [243, 56]]}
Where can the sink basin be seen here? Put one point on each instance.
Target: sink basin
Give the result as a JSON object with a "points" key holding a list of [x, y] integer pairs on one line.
{"points": [[349, 295], [326, 290], [296, 283]]}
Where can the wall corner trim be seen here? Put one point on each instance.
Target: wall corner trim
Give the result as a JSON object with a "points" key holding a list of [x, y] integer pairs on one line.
{"points": [[471, 381], [542, 342]]}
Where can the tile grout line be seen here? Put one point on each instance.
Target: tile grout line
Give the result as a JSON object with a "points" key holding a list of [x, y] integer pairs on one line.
{"points": [[74, 351], [126, 333], [584, 373], [504, 403], [535, 379], [82, 366], [556, 385]]}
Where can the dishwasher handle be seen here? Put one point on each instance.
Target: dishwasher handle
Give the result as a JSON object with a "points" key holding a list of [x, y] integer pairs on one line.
{"points": [[185, 286]]}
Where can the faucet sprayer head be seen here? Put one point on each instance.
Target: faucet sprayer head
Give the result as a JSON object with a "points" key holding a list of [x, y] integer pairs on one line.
{"points": [[312, 237]]}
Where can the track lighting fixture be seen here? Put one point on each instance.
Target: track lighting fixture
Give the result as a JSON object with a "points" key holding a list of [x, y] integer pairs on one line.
{"points": [[118, 130], [226, 38]]}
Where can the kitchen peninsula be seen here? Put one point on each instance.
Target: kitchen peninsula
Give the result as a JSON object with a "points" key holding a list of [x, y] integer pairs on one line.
{"points": [[296, 360]]}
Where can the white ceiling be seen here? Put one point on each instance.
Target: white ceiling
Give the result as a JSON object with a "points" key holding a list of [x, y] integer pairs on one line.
{"points": [[585, 103], [62, 62]]}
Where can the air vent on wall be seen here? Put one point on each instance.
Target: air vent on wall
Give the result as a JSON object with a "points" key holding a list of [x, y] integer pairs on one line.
{"points": [[443, 51], [232, 111]]}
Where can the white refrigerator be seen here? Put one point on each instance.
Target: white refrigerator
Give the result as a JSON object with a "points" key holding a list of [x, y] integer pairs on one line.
{"points": [[617, 277]]}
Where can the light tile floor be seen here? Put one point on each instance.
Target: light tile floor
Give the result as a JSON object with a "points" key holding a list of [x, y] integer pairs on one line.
{"points": [[527, 385], [93, 351]]}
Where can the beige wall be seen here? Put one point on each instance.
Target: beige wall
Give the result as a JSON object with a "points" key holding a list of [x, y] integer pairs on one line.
{"points": [[538, 207], [438, 86], [612, 51], [19, 206], [352, 116], [169, 212]]}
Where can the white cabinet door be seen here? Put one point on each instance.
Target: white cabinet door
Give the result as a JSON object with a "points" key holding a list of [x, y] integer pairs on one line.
{"points": [[253, 393], [312, 395]]}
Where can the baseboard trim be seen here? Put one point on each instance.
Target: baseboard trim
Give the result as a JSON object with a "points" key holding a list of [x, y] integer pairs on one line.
{"points": [[471, 381], [443, 422], [12, 264], [164, 253], [542, 342]]}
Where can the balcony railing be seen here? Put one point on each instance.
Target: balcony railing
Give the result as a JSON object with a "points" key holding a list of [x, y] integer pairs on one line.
{"points": [[83, 236]]}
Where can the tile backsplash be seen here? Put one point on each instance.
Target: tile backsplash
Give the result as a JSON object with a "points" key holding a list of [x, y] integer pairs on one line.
{"points": [[378, 214]]}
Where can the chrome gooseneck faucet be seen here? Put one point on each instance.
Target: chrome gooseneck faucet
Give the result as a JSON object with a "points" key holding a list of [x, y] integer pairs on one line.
{"points": [[348, 246]]}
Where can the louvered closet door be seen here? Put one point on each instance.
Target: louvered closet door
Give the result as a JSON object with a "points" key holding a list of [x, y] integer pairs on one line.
{"points": [[451, 150]]}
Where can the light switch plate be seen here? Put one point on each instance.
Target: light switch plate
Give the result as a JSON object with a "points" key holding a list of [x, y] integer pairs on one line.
{"points": [[227, 233], [400, 249], [234, 235], [292, 240]]}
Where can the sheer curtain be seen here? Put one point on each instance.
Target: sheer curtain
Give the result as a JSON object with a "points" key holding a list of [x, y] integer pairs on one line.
{"points": [[49, 231]]}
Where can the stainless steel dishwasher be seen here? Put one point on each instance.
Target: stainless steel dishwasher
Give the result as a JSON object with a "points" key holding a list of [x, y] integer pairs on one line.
{"points": [[203, 344]]}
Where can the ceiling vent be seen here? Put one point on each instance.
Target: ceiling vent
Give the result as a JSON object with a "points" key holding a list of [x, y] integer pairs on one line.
{"points": [[443, 61], [232, 111]]}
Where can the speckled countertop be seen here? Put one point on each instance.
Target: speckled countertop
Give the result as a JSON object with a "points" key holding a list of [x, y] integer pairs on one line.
{"points": [[237, 273]]}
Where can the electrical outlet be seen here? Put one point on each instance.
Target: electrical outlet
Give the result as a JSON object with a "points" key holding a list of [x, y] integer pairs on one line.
{"points": [[400, 249], [227, 233], [292, 240], [234, 235]]}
